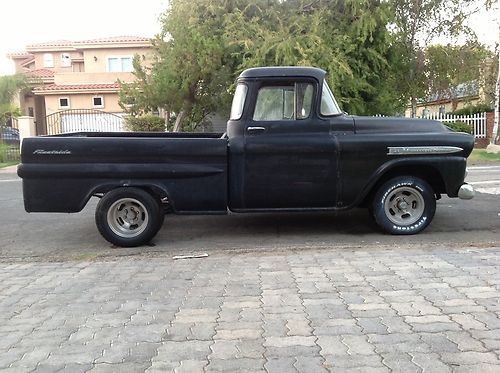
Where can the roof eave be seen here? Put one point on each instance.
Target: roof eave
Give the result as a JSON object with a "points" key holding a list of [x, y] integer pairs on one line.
{"points": [[113, 45], [41, 92], [51, 48]]}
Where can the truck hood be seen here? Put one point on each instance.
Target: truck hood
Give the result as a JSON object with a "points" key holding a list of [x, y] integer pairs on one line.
{"points": [[413, 132], [397, 125]]}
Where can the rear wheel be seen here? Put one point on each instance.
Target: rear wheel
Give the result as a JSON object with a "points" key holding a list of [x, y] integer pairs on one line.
{"points": [[128, 217], [404, 205]]}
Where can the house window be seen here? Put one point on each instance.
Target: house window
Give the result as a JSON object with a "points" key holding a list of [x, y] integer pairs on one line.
{"points": [[65, 60], [63, 102], [48, 60], [120, 64], [98, 101]]}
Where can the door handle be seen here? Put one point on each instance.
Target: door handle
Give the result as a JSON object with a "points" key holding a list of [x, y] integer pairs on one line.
{"points": [[256, 129]]}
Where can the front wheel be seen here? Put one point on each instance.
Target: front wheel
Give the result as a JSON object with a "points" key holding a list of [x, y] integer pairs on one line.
{"points": [[128, 217], [404, 205]]}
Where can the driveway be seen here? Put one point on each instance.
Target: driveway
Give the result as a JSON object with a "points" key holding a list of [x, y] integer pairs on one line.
{"points": [[474, 223], [339, 310]]}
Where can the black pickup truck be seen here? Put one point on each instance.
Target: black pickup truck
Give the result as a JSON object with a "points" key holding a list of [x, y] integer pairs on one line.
{"points": [[288, 147]]}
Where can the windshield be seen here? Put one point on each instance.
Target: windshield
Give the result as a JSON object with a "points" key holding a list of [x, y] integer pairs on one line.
{"points": [[328, 104], [238, 101]]}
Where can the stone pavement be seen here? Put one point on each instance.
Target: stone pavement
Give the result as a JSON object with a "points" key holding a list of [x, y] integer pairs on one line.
{"points": [[360, 310]]}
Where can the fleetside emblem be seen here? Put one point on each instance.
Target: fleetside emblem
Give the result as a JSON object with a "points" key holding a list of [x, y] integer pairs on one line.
{"points": [[52, 152], [412, 150]]}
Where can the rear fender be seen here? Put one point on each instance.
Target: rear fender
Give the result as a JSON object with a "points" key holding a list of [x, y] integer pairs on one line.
{"points": [[157, 190]]}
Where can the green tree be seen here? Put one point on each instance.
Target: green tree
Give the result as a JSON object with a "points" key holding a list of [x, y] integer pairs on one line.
{"points": [[360, 30], [347, 38], [417, 24], [10, 85], [204, 45], [140, 96], [375, 52], [450, 70], [192, 68]]}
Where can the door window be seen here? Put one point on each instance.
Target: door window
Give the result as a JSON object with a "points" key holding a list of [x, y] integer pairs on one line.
{"points": [[284, 102]]}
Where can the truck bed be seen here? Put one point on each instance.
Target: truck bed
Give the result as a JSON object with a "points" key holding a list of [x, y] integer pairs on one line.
{"points": [[60, 173]]}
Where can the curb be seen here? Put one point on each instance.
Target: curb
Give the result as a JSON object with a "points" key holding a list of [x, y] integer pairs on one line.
{"points": [[9, 170]]}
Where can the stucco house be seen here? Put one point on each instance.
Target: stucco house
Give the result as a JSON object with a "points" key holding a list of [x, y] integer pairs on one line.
{"points": [[470, 93], [463, 95], [73, 76]]}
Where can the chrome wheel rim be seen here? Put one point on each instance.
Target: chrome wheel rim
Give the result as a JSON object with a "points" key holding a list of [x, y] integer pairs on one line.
{"points": [[404, 206], [127, 217]]}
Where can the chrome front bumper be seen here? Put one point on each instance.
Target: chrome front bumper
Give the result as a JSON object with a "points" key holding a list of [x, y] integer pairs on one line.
{"points": [[466, 191]]}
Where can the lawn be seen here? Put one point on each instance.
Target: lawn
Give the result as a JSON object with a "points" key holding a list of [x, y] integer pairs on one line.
{"points": [[481, 155], [6, 164]]}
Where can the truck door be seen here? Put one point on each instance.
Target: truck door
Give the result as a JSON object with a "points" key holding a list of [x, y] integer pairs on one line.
{"points": [[290, 154]]}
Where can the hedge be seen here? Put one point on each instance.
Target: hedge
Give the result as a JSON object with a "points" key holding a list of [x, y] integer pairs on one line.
{"points": [[460, 127], [148, 123]]}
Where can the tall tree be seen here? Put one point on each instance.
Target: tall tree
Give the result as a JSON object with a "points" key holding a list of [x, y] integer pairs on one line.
{"points": [[348, 38], [360, 30], [449, 69], [373, 50], [417, 24], [193, 66], [10, 85]]}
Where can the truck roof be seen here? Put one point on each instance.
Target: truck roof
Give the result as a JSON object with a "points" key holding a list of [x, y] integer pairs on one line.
{"points": [[283, 71]]}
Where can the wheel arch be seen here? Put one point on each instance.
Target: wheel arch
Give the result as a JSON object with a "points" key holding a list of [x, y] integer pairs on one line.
{"points": [[426, 172], [158, 191]]}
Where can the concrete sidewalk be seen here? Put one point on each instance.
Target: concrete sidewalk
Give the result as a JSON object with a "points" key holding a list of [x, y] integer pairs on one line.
{"points": [[365, 310], [9, 170]]}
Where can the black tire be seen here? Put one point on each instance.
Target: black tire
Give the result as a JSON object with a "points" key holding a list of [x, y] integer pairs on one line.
{"points": [[404, 205], [128, 217]]}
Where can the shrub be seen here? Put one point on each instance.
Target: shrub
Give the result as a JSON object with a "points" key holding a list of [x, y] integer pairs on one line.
{"points": [[146, 122], [8, 153], [473, 109], [459, 127]]}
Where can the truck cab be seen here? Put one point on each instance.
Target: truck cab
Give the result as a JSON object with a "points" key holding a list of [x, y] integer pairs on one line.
{"points": [[283, 141]]}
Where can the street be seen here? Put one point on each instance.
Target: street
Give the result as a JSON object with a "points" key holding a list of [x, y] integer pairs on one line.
{"points": [[474, 223]]}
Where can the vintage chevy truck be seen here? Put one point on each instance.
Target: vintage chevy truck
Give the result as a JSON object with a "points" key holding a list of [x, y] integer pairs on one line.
{"points": [[288, 147]]}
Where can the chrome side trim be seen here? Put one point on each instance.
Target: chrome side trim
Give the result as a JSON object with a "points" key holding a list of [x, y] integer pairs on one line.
{"points": [[412, 150]]}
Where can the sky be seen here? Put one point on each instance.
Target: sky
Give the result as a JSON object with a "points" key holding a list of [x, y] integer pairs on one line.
{"points": [[26, 22]]}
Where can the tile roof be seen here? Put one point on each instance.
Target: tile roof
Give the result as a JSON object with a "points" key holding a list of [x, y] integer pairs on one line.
{"points": [[108, 40], [27, 61], [55, 43], [19, 55], [115, 39], [77, 87], [41, 73]]}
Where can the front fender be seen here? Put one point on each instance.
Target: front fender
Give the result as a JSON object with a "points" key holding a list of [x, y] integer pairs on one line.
{"points": [[449, 169]]}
